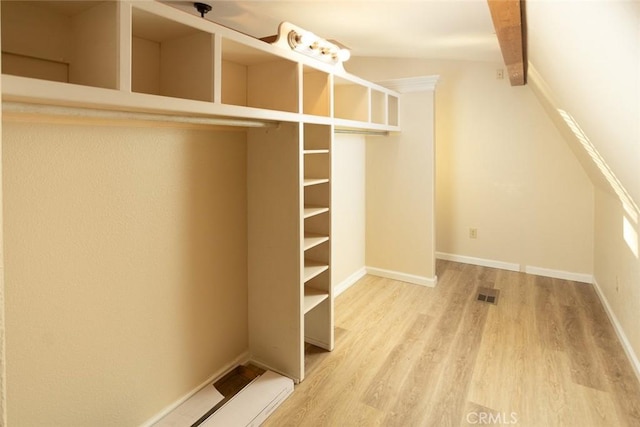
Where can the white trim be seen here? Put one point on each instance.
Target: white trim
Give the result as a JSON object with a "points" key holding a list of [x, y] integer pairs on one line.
{"points": [[403, 277], [349, 281], [631, 355], [411, 84], [559, 274], [478, 261], [240, 360]]}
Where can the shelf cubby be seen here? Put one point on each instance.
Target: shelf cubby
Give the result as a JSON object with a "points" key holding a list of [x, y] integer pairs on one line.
{"points": [[315, 90], [170, 59], [350, 100], [313, 297], [313, 268], [255, 78], [317, 167], [318, 195], [62, 41]]}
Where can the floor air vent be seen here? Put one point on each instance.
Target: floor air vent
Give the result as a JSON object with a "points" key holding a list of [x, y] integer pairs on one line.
{"points": [[488, 295]]}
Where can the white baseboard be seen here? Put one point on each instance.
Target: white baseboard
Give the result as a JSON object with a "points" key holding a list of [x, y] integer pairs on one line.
{"points": [[558, 274], [403, 277], [349, 281], [631, 355], [240, 360], [478, 261], [538, 271]]}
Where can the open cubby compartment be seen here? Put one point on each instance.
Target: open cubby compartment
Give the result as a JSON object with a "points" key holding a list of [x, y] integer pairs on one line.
{"points": [[318, 225], [315, 92], [255, 78], [63, 41], [318, 195], [378, 107], [317, 167], [392, 110], [169, 58], [317, 285], [350, 100], [317, 138], [318, 301], [318, 323]]}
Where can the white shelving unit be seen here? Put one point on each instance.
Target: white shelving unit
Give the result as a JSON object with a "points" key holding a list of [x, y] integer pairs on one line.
{"points": [[146, 57]]}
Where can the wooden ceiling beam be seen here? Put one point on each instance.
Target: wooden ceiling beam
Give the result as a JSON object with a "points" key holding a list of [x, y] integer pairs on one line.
{"points": [[509, 23]]}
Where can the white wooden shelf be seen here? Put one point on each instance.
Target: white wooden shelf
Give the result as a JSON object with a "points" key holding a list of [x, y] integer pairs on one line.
{"points": [[130, 60], [310, 211], [313, 268], [313, 297], [155, 58], [315, 181], [312, 240]]}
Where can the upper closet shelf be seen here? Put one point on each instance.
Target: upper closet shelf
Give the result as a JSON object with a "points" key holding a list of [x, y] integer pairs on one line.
{"points": [[145, 56]]}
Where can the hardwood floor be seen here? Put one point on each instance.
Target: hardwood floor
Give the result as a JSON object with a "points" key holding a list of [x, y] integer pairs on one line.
{"points": [[406, 355]]}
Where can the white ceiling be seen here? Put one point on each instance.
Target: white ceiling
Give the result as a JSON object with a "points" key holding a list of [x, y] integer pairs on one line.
{"points": [[433, 29]]}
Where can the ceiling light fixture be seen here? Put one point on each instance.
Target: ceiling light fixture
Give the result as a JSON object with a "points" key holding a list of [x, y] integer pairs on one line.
{"points": [[307, 43], [202, 8]]}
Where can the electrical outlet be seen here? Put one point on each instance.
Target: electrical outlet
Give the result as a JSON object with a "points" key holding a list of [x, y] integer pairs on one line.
{"points": [[473, 233], [500, 73]]}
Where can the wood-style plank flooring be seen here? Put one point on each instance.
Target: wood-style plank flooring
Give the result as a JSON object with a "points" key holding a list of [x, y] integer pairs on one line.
{"points": [[546, 355]]}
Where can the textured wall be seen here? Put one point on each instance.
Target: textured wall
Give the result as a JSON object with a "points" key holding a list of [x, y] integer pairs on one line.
{"points": [[125, 268], [501, 167]]}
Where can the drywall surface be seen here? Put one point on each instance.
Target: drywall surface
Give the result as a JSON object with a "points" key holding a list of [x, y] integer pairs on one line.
{"points": [[348, 206], [126, 266], [501, 167], [617, 270], [586, 62], [400, 185]]}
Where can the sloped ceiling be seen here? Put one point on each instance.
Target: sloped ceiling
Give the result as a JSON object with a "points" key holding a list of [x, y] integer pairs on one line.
{"points": [[585, 62], [437, 29]]}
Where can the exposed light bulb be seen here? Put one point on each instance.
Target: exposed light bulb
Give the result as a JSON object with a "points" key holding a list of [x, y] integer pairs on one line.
{"points": [[307, 43], [344, 55]]}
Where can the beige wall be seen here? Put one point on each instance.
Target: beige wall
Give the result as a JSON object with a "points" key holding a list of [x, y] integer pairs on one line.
{"points": [[126, 268], [594, 76], [400, 184], [501, 167], [348, 204], [617, 269]]}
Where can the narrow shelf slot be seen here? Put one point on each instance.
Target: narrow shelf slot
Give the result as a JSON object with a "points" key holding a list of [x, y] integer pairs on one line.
{"points": [[315, 181], [312, 240], [315, 92], [313, 297], [310, 210], [313, 268]]}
